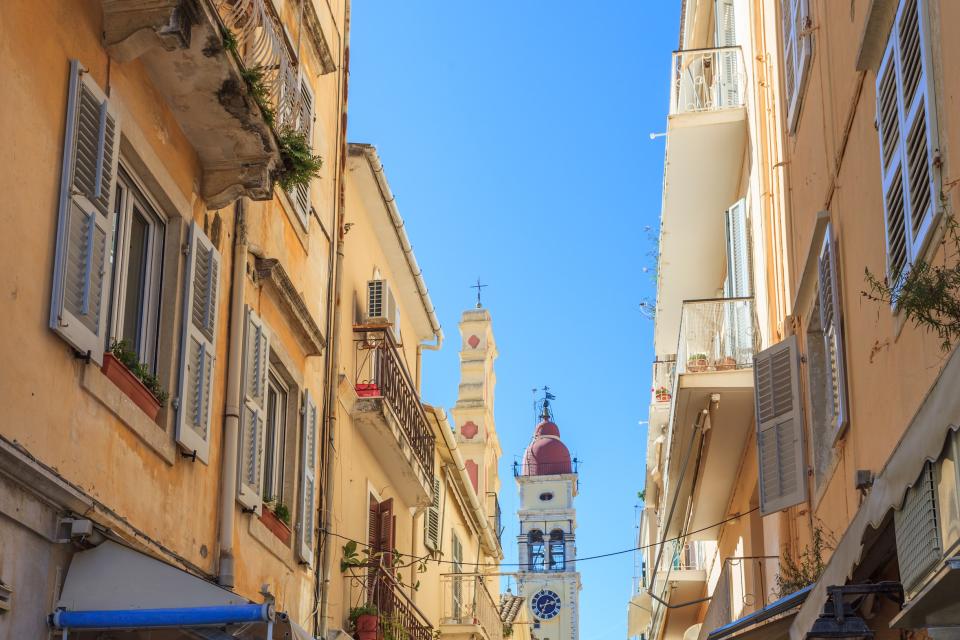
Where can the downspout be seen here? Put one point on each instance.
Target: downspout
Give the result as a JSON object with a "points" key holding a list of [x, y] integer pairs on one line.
{"points": [[231, 416], [332, 373], [486, 533]]}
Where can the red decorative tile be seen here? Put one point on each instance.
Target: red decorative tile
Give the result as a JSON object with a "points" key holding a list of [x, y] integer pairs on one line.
{"points": [[469, 430], [473, 341]]}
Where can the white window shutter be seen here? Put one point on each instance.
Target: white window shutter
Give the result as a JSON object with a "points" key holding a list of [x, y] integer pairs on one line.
{"points": [[909, 141], [80, 296], [797, 51], [431, 520], [726, 36], [308, 481], [198, 344], [919, 547], [301, 193], [831, 322], [739, 282], [779, 427], [256, 363]]}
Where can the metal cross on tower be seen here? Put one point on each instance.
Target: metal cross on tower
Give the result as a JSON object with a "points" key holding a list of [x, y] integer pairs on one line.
{"points": [[479, 287]]}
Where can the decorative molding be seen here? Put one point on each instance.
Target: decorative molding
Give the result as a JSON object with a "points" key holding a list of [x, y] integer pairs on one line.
{"points": [[317, 38], [272, 272], [469, 429]]}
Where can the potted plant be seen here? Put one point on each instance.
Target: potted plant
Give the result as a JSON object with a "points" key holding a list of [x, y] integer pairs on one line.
{"points": [[697, 362], [727, 364], [276, 517], [662, 394], [365, 621], [123, 367]]}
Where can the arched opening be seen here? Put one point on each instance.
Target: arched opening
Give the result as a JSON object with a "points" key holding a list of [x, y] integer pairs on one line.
{"points": [[558, 551], [537, 550]]}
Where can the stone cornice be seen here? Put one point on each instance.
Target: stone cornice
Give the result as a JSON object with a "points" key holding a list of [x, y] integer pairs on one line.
{"points": [[270, 270]]}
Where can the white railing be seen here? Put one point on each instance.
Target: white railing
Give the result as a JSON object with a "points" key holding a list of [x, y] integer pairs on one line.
{"points": [[466, 600], [663, 376], [707, 80], [717, 335], [265, 50]]}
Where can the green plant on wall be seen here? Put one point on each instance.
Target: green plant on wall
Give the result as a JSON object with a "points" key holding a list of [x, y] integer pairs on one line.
{"points": [[795, 574], [280, 510], [255, 78], [392, 628], [927, 294], [121, 350], [300, 164]]}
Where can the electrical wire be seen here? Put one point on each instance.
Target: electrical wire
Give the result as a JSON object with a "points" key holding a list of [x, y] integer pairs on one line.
{"points": [[428, 558]]}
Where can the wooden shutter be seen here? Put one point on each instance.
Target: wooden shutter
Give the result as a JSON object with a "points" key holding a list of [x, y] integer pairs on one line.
{"points": [[256, 363], [308, 480], [919, 548], [797, 49], [779, 427], [301, 193], [386, 532], [80, 296], [907, 124], [431, 520], [832, 326], [198, 343]]}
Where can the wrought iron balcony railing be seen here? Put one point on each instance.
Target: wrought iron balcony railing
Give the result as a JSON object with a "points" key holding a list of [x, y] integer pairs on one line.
{"points": [[266, 52], [707, 80], [717, 335], [399, 616], [467, 600], [495, 515], [381, 373]]}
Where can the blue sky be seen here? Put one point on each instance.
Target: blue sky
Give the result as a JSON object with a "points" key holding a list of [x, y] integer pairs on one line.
{"points": [[515, 136]]}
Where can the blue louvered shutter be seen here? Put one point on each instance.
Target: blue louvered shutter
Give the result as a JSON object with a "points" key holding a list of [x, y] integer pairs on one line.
{"points": [[80, 297], [779, 427], [307, 517], [907, 124], [256, 363], [832, 326], [198, 344]]}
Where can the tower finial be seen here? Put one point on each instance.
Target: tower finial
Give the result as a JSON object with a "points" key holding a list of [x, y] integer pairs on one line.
{"points": [[545, 413], [479, 287]]}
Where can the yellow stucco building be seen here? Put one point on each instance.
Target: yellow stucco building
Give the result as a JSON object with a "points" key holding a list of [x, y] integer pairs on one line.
{"points": [[801, 439]]}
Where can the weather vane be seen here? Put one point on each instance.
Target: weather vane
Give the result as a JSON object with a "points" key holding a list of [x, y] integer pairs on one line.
{"points": [[479, 287], [547, 397]]}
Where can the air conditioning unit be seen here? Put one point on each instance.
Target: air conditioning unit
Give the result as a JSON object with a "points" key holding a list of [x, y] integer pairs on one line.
{"points": [[382, 305]]}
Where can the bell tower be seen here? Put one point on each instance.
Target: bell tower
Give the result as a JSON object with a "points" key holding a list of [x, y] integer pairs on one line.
{"points": [[547, 576]]}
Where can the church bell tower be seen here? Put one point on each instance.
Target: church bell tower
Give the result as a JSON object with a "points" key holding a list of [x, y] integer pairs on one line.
{"points": [[547, 576]]}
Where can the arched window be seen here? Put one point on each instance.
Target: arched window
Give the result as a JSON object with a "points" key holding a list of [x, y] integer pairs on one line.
{"points": [[558, 551], [537, 550]]}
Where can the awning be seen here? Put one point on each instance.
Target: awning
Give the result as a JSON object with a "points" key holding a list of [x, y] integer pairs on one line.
{"points": [[769, 623], [921, 442], [639, 614], [114, 587]]}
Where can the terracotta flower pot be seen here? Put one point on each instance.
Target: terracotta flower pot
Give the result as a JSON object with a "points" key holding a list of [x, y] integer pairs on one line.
{"points": [[727, 364], [277, 526], [696, 365], [367, 626], [130, 385], [368, 390]]}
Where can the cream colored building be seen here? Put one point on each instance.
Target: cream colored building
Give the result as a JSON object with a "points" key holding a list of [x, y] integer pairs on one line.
{"points": [[843, 430], [143, 205]]}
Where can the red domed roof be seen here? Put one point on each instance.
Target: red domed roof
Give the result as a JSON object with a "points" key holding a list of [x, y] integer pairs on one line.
{"points": [[546, 455]]}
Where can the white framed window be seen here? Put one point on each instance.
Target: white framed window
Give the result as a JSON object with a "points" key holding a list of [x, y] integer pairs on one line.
{"points": [[909, 142], [137, 263], [275, 438], [797, 51]]}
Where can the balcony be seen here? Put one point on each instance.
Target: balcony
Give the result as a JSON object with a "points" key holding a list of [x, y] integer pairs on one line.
{"points": [[399, 616], [196, 54], [682, 577], [388, 414], [718, 339], [469, 610], [661, 390], [706, 143]]}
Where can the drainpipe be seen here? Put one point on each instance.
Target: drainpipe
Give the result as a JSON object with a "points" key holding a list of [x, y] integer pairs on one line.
{"points": [[231, 416], [324, 564]]}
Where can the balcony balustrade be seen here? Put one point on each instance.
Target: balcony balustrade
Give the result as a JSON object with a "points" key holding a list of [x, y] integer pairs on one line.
{"points": [[399, 616], [664, 372], [707, 80], [496, 516], [717, 335], [389, 414], [467, 602]]}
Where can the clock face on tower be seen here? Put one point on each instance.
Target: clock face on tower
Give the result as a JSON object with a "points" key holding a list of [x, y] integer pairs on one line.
{"points": [[545, 604]]}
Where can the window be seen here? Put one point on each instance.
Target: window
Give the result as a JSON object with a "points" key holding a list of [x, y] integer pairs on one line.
{"points": [[136, 260], [906, 120], [537, 550], [300, 195], [558, 551], [275, 439], [797, 49]]}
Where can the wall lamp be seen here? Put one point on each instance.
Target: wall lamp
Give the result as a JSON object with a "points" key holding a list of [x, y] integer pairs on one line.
{"points": [[838, 620]]}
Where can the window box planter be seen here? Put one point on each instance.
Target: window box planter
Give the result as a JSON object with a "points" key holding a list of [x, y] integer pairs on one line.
{"points": [[697, 363], [277, 526], [368, 390], [727, 364], [130, 385], [662, 395]]}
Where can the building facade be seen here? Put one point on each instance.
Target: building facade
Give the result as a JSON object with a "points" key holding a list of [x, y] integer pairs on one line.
{"points": [[801, 449], [548, 578]]}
